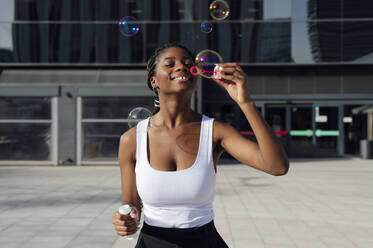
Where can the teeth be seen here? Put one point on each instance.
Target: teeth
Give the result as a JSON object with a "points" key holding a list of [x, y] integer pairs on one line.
{"points": [[181, 78]]}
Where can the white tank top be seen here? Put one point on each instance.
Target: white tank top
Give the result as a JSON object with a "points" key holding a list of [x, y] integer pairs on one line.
{"points": [[177, 199]]}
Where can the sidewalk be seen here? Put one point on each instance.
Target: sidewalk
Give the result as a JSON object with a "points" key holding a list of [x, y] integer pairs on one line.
{"points": [[319, 203]]}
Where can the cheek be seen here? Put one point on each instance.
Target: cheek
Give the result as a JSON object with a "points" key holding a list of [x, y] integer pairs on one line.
{"points": [[162, 73]]}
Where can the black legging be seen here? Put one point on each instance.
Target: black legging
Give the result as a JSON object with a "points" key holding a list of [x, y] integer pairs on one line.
{"points": [[205, 236]]}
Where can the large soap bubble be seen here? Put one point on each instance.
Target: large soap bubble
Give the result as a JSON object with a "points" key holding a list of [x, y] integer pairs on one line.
{"points": [[138, 114], [219, 10], [206, 61]]}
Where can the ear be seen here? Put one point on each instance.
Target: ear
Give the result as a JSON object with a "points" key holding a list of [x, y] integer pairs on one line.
{"points": [[153, 82]]}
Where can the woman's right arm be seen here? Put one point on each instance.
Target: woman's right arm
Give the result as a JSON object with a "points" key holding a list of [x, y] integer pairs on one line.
{"points": [[125, 225]]}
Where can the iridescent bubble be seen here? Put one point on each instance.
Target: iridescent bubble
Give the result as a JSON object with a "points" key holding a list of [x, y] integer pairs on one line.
{"points": [[206, 60], [219, 10], [206, 27], [128, 26], [138, 114]]}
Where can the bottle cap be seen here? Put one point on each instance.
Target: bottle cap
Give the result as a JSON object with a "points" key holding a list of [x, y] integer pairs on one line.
{"points": [[125, 209]]}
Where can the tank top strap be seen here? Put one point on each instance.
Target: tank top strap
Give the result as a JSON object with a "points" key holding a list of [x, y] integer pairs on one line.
{"points": [[141, 135], [207, 137]]}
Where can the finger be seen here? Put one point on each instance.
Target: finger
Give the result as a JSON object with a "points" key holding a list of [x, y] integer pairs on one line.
{"points": [[235, 73], [129, 222], [125, 217], [232, 66], [125, 228], [116, 215], [124, 222], [233, 77], [118, 222], [239, 75], [238, 68], [229, 69], [126, 233]]}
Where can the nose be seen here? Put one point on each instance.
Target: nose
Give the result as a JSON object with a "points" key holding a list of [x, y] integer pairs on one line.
{"points": [[180, 66]]}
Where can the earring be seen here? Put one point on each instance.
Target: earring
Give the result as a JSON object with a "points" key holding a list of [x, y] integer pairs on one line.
{"points": [[156, 102]]}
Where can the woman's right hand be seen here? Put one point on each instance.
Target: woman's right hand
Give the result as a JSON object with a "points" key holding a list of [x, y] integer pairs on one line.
{"points": [[126, 225]]}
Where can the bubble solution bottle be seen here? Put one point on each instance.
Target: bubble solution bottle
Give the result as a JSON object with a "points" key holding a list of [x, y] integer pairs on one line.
{"points": [[125, 210]]}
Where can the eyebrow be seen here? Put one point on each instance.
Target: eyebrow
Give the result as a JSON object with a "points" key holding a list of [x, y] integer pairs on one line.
{"points": [[185, 57]]}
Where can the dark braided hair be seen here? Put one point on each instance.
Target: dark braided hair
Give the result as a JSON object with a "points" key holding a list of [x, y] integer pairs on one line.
{"points": [[152, 63]]}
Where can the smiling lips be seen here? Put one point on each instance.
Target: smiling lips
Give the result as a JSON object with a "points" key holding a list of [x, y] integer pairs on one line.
{"points": [[181, 78]]}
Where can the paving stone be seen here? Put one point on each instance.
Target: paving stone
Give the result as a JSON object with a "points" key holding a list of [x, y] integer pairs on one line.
{"points": [[318, 204]]}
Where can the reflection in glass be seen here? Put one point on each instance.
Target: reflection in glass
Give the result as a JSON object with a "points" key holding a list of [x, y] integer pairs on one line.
{"points": [[330, 9], [6, 10], [217, 40], [159, 34], [327, 131], [72, 43], [250, 42], [6, 43], [274, 9], [72, 10], [357, 8], [276, 119], [358, 41], [113, 47], [301, 131], [101, 140], [25, 141], [354, 128], [30, 43], [274, 42], [169, 10], [32, 10], [300, 43], [25, 108], [113, 107], [325, 40]]}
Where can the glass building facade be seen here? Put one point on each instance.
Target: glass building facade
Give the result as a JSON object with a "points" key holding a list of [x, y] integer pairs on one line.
{"points": [[256, 31], [304, 59]]}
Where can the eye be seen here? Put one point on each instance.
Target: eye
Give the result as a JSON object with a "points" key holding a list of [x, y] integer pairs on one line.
{"points": [[189, 63]]}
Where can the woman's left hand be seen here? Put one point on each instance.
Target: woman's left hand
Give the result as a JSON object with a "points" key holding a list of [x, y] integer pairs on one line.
{"points": [[237, 86]]}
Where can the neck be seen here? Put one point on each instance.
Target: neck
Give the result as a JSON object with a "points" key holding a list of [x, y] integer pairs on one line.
{"points": [[174, 111]]}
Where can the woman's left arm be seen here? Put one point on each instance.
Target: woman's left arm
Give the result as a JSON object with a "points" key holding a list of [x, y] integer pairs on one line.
{"points": [[268, 155]]}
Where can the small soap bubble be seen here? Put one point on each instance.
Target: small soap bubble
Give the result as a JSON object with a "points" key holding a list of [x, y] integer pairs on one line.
{"points": [[206, 61], [128, 26], [219, 10], [138, 114], [206, 27]]}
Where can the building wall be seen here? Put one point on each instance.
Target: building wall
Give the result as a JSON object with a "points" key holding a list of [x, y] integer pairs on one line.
{"points": [[69, 57]]}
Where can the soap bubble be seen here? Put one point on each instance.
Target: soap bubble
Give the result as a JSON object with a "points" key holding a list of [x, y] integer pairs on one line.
{"points": [[138, 114], [128, 26], [206, 60], [206, 27], [219, 10]]}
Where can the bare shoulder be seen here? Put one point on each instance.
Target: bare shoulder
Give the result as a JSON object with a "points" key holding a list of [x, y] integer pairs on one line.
{"points": [[221, 129], [127, 145], [129, 136]]}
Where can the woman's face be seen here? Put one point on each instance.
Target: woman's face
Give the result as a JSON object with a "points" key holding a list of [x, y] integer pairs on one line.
{"points": [[172, 72]]}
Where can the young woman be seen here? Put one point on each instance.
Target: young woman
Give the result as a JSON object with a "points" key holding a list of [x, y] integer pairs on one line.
{"points": [[168, 162]]}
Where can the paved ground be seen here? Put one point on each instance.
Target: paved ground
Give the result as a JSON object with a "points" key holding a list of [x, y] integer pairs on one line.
{"points": [[319, 203]]}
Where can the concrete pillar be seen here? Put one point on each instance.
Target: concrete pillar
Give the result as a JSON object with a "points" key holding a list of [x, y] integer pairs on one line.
{"points": [[370, 125]]}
